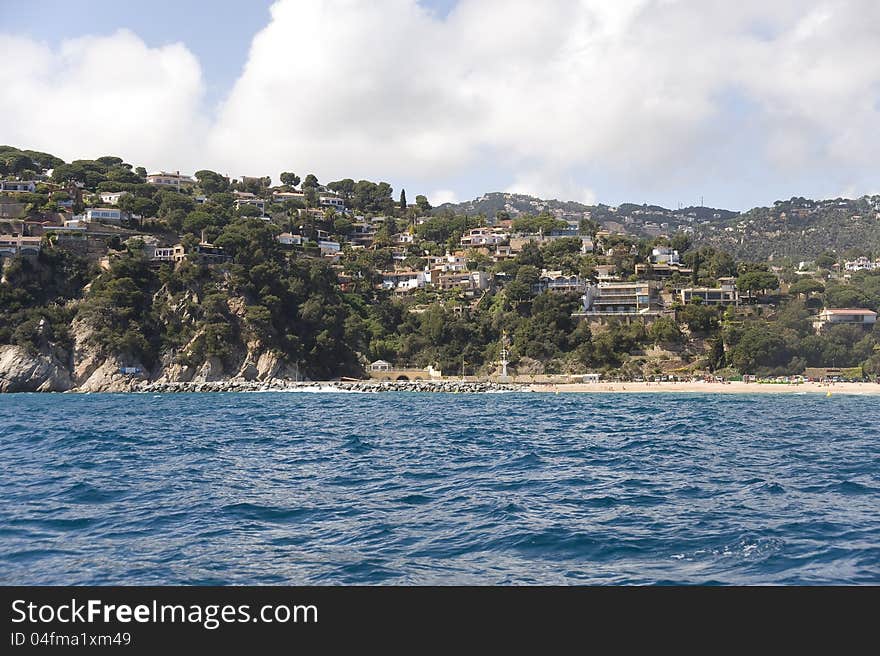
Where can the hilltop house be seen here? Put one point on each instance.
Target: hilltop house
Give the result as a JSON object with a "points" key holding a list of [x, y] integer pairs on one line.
{"points": [[164, 179], [332, 201], [282, 196]]}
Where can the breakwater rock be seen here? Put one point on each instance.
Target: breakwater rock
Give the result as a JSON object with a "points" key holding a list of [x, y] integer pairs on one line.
{"points": [[281, 385]]}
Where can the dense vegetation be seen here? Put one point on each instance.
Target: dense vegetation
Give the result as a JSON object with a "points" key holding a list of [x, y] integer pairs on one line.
{"points": [[290, 302]]}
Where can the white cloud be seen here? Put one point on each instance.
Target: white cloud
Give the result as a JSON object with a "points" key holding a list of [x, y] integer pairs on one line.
{"points": [[551, 185], [109, 95], [639, 90], [441, 196]]}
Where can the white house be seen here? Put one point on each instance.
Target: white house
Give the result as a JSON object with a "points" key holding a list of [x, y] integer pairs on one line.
{"points": [[281, 196], [165, 179], [176, 253], [289, 239], [665, 255], [112, 197], [332, 201], [404, 280], [861, 264], [103, 215], [380, 365], [484, 237], [845, 316]]}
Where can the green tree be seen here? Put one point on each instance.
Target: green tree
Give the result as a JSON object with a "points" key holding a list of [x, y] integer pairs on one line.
{"points": [[699, 318], [806, 286], [290, 179], [757, 282], [665, 330], [212, 182]]}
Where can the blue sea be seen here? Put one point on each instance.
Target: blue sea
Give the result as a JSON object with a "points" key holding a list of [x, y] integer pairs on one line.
{"points": [[407, 488]]}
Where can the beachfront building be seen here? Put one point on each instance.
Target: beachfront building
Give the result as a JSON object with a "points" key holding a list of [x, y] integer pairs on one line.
{"points": [[845, 316], [725, 294], [380, 365]]}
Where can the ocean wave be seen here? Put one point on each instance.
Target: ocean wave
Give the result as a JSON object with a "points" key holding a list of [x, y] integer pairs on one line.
{"points": [[329, 488]]}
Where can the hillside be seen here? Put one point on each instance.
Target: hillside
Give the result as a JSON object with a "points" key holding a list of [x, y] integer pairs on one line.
{"points": [[799, 228]]}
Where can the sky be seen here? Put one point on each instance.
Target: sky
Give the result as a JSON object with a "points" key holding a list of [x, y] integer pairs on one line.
{"points": [[647, 101]]}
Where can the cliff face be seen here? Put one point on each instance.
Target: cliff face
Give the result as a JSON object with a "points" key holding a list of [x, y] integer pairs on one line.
{"points": [[86, 369], [23, 371]]}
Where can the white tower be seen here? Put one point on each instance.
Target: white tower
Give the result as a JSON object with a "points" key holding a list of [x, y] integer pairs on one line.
{"points": [[504, 355]]}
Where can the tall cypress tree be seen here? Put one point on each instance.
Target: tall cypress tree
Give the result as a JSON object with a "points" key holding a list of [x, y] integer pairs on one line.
{"points": [[403, 199]]}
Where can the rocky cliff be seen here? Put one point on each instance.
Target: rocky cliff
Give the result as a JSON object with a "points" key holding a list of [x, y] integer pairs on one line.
{"points": [[86, 369]]}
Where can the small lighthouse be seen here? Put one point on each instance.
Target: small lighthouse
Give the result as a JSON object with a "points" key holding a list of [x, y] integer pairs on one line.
{"points": [[504, 357]]}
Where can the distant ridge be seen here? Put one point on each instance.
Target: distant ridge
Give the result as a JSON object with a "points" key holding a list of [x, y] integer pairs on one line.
{"points": [[797, 228]]}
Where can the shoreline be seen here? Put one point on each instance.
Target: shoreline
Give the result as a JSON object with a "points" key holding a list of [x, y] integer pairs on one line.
{"points": [[733, 387]]}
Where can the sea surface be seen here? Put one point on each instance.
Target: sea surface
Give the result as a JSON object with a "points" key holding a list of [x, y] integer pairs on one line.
{"points": [[407, 488]]}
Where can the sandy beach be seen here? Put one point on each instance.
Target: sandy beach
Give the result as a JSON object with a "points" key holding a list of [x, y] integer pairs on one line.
{"points": [[862, 389]]}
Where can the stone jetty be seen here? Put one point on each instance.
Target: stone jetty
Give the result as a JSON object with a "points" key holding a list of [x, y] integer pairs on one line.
{"points": [[280, 385]]}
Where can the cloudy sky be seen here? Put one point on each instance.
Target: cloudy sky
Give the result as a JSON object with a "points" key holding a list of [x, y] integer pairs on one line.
{"points": [[658, 101]]}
